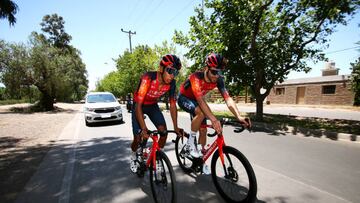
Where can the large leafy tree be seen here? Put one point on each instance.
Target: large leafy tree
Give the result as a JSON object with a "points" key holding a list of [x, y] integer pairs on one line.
{"points": [[264, 40], [13, 65], [57, 69], [50, 63], [8, 9]]}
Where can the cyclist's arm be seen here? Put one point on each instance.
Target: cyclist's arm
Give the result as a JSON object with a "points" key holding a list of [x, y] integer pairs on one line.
{"points": [[231, 104], [235, 111], [173, 113], [173, 109], [233, 108], [143, 89]]}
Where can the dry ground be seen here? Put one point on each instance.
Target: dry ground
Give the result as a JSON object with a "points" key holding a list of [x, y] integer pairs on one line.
{"points": [[25, 138]]}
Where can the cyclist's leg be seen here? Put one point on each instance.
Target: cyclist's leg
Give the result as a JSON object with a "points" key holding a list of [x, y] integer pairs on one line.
{"points": [[192, 107], [157, 118], [202, 133], [198, 118], [136, 130]]}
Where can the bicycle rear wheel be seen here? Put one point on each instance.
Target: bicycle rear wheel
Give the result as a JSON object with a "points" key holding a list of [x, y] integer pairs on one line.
{"points": [[181, 154], [235, 179], [162, 180]]}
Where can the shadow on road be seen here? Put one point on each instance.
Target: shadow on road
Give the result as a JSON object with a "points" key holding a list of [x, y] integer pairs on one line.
{"points": [[101, 173]]}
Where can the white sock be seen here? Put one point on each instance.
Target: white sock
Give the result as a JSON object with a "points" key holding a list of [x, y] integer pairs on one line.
{"points": [[192, 137]]}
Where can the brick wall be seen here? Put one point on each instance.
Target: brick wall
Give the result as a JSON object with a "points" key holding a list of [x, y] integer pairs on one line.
{"points": [[313, 94]]}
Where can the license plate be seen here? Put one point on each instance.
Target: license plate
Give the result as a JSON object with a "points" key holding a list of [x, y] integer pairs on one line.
{"points": [[105, 115]]}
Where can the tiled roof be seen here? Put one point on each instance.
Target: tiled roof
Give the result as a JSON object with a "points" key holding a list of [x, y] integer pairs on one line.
{"points": [[322, 79]]}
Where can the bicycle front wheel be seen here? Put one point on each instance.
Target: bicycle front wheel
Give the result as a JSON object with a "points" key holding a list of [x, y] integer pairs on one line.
{"points": [[162, 180], [235, 178], [182, 154]]}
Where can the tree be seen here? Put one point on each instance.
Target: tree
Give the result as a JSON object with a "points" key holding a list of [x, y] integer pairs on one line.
{"points": [[130, 66], [8, 9], [355, 81], [13, 65], [57, 66], [50, 63], [53, 26], [264, 40]]}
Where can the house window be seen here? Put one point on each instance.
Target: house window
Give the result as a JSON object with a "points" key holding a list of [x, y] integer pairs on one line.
{"points": [[329, 89], [280, 91]]}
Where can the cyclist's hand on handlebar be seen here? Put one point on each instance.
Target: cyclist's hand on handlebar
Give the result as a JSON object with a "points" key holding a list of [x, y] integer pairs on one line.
{"points": [[144, 133], [217, 126], [245, 122], [179, 131]]}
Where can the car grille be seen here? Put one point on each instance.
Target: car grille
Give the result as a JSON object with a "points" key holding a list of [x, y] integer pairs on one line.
{"points": [[100, 119], [104, 110]]}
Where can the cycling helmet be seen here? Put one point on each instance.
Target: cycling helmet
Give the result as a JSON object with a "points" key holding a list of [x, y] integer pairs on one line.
{"points": [[215, 61], [170, 60]]}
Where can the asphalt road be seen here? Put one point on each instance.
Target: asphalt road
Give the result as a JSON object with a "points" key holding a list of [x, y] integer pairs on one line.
{"points": [[91, 164]]}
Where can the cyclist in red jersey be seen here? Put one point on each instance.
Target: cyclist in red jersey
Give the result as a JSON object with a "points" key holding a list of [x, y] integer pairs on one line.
{"points": [[152, 86], [191, 100]]}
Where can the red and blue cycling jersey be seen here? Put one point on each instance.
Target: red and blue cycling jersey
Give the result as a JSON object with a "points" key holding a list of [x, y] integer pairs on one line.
{"points": [[195, 86], [149, 89]]}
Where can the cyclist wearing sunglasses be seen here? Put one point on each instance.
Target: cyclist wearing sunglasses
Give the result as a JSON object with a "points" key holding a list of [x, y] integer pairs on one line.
{"points": [[152, 86], [191, 99]]}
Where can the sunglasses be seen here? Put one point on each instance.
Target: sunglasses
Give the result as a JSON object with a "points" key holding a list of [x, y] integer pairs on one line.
{"points": [[172, 71], [216, 72]]}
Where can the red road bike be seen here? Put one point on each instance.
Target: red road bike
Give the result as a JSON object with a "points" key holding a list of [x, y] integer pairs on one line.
{"points": [[162, 177], [232, 174]]}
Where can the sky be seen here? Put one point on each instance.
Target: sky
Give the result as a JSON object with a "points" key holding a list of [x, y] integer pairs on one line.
{"points": [[95, 27]]}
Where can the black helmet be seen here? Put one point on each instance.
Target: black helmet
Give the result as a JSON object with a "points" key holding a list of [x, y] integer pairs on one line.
{"points": [[171, 60], [216, 61]]}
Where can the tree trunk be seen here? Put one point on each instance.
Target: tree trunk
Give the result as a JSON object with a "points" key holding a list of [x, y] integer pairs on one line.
{"points": [[46, 101], [246, 94], [259, 108]]}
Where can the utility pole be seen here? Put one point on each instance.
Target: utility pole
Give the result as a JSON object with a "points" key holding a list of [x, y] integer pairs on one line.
{"points": [[130, 33]]}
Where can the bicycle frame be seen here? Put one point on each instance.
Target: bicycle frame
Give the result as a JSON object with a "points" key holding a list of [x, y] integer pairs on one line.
{"points": [[154, 148], [218, 143]]}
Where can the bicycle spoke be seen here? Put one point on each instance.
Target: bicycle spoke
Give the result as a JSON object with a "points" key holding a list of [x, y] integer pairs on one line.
{"points": [[232, 179], [163, 180], [182, 155]]}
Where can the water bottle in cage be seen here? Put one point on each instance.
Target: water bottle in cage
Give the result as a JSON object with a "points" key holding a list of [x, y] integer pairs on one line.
{"points": [[146, 152]]}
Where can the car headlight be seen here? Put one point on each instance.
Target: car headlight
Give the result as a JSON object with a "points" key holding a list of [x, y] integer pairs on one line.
{"points": [[89, 109], [117, 108]]}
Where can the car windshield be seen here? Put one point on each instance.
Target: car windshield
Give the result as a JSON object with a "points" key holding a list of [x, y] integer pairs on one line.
{"points": [[95, 98]]}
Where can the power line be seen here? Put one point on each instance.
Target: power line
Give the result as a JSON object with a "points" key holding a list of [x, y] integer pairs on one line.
{"points": [[331, 52], [141, 14], [173, 18], [152, 11], [135, 7]]}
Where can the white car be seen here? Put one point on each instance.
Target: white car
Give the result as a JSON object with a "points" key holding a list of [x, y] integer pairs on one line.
{"points": [[100, 107]]}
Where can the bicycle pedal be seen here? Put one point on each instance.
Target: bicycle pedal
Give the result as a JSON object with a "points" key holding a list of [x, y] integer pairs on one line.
{"points": [[134, 166]]}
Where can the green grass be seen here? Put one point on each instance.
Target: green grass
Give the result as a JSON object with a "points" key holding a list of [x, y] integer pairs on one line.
{"points": [[332, 125], [13, 101]]}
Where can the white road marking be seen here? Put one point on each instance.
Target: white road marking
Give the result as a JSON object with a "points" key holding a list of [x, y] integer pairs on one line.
{"points": [[66, 183]]}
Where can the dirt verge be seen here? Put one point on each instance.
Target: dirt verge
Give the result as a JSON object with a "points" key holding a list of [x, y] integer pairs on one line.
{"points": [[25, 138]]}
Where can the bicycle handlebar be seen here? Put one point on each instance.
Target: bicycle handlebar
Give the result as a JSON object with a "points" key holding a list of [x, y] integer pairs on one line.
{"points": [[155, 132], [239, 127]]}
